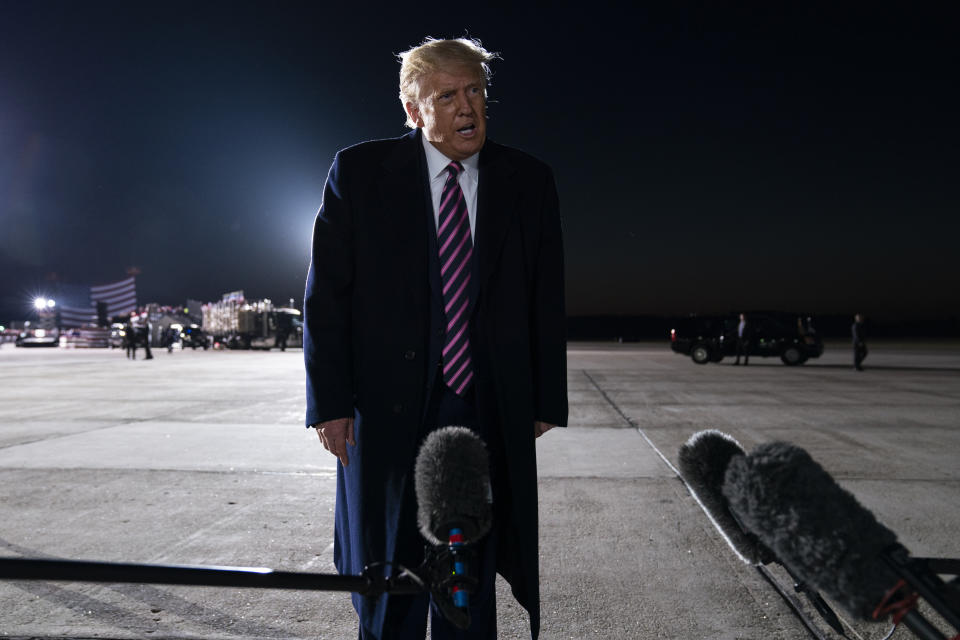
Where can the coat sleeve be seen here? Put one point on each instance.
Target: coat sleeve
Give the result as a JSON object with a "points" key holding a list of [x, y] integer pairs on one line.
{"points": [[327, 304], [549, 330]]}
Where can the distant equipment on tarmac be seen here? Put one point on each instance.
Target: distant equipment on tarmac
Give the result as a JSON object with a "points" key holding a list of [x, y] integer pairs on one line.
{"points": [[238, 323], [39, 333]]}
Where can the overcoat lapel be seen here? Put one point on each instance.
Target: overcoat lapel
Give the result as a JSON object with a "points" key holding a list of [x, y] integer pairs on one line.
{"points": [[497, 198], [402, 195]]}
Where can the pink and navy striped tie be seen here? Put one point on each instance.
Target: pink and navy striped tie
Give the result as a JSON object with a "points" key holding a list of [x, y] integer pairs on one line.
{"points": [[456, 250]]}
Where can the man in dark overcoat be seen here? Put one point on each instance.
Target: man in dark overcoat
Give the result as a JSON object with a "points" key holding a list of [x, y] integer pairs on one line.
{"points": [[859, 335], [435, 296], [744, 340]]}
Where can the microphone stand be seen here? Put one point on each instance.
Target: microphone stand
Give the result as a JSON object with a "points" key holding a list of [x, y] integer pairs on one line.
{"points": [[435, 575], [829, 615], [799, 586], [920, 575], [367, 584], [792, 602]]}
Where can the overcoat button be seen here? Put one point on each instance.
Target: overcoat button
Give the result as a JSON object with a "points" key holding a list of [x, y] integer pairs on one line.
{"points": [[398, 408], [409, 355]]}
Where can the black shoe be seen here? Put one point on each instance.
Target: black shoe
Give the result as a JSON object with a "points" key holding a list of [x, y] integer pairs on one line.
{"points": [[736, 364]]}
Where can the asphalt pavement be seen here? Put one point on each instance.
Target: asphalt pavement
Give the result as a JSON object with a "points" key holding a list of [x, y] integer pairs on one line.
{"points": [[201, 458]]}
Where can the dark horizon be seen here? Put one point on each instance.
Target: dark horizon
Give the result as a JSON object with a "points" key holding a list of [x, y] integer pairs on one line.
{"points": [[708, 159]]}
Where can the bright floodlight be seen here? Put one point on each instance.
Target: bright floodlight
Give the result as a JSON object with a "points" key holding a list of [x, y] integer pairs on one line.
{"points": [[40, 303], [51, 304]]}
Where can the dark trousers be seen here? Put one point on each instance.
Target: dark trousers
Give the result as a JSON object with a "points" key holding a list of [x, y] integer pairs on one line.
{"points": [[406, 617], [743, 347], [859, 353]]}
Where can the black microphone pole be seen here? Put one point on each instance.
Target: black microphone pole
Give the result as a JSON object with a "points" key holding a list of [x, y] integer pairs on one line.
{"points": [[921, 627], [829, 615], [211, 576], [920, 576]]}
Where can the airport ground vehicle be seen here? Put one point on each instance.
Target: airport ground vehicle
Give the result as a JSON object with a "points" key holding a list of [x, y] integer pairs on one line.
{"points": [[236, 323], [699, 337], [39, 333], [118, 331], [85, 337], [711, 338], [193, 337]]}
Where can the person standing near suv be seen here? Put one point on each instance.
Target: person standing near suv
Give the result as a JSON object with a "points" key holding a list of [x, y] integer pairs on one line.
{"points": [[859, 342], [743, 341]]}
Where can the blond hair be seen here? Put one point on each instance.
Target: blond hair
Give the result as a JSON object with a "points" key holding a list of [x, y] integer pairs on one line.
{"points": [[435, 55]]}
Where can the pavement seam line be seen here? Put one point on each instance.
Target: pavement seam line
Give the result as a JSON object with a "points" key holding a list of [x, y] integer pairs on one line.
{"points": [[632, 423]]}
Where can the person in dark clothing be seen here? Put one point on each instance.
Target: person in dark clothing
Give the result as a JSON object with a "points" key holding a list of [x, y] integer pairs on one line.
{"points": [[859, 342], [434, 297], [169, 338], [743, 340], [143, 336], [284, 325], [130, 340], [811, 334], [140, 334]]}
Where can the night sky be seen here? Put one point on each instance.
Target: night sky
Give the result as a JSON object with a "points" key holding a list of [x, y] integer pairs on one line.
{"points": [[709, 158]]}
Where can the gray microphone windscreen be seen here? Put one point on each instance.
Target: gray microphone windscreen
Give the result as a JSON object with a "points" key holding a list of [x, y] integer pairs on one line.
{"points": [[815, 527], [452, 482], [703, 462]]}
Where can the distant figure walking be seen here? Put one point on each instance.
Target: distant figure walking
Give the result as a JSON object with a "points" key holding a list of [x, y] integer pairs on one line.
{"points": [[859, 342], [743, 341], [143, 334], [284, 324], [139, 334], [130, 340], [170, 335], [806, 331]]}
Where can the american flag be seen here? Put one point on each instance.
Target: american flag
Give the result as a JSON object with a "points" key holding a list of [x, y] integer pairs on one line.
{"points": [[77, 316], [120, 298]]}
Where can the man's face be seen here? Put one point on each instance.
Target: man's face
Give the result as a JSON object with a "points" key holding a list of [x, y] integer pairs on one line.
{"points": [[452, 111]]}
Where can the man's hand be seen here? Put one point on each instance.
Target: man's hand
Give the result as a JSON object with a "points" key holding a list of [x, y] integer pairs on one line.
{"points": [[540, 428], [335, 435]]}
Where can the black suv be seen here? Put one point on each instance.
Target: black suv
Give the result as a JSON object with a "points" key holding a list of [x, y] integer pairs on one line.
{"points": [[192, 336], [710, 338]]}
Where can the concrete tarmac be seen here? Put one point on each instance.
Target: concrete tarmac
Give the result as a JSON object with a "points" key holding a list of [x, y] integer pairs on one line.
{"points": [[201, 458]]}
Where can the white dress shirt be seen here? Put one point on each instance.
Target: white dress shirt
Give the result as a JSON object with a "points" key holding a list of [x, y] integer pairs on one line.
{"points": [[469, 178]]}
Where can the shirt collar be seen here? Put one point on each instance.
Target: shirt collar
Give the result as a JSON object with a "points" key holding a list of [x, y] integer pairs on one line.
{"points": [[437, 162]]}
